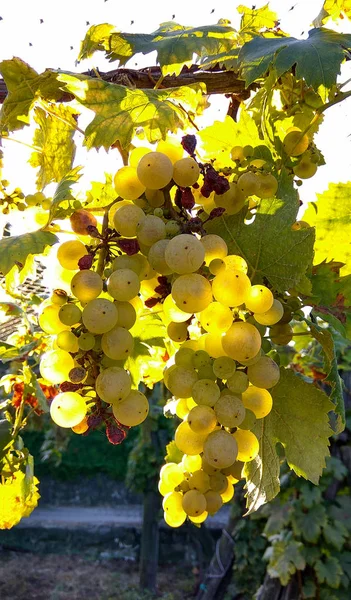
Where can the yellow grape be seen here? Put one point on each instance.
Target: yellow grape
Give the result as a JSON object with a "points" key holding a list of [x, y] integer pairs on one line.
{"points": [[172, 474], [199, 481], [155, 198], [59, 297], [234, 470], [180, 382], [113, 384], [69, 253], [138, 305], [132, 410], [136, 154], [213, 502], [100, 315], [200, 518], [172, 503], [194, 503], [231, 287], [50, 321], [216, 318], [249, 421], [264, 374], [155, 170], [156, 257], [237, 153], [177, 332], [238, 383], [202, 419], [192, 293], [70, 314], [66, 340], [207, 467], [268, 185], [127, 218], [186, 172], [117, 343], [123, 285], [86, 285], [172, 312], [228, 494], [295, 143], [234, 262], [242, 341], [271, 316], [224, 367], [248, 445], [191, 463], [127, 183], [126, 314], [218, 482], [68, 409], [220, 449], [184, 254], [233, 200], [174, 520], [230, 411], [216, 265], [214, 344], [205, 392], [215, 247], [150, 230], [248, 184], [82, 427], [259, 299], [258, 400], [182, 409], [136, 263], [306, 168], [187, 440], [171, 148], [55, 366], [86, 341]]}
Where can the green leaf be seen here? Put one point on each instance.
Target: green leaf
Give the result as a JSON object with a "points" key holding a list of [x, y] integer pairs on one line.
{"points": [[277, 520], [309, 524], [341, 511], [303, 430], [269, 245], [325, 338], [285, 557], [331, 216], [174, 44], [317, 58], [173, 454], [15, 353], [16, 277], [5, 436], [310, 495], [328, 571], [24, 85], [119, 110], [63, 194], [14, 250], [335, 534], [146, 363], [54, 140]]}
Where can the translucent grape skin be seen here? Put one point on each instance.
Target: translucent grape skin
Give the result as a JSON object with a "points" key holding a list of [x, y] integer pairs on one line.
{"points": [[100, 315], [155, 170], [184, 254], [68, 409], [191, 293], [132, 410], [113, 384]]}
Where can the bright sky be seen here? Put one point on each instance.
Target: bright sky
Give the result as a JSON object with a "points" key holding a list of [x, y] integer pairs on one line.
{"points": [[65, 24]]}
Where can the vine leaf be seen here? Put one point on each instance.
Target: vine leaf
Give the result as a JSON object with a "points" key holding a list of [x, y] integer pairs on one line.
{"points": [[333, 9], [54, 140], [101, 194], [15, 249], [174, 44], [329, 571], [119, 111], [317, 59], [254, 20], [332, 218], [146, 363], [325, 338], [269, 245], [299, 421], [63, 194], [24, 85]]}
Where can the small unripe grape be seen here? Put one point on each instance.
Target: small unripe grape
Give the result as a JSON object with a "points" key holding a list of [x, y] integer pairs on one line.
{"points": [[132, 410], [194, 503], [202, 419], [177, 332], [172, 228], [187, 440], [68, 409], [184, 254], [224, 367], [271, 316], [186, 172], [86, 341], [268, 185], [264, 374], [66, 340], [123, 285], [247, 444], [295, 143], [213, 502], [238, 383], [117, 343], [69, 253], [258, 400], [205, 392], [306, 168], [259, 299], [192, 293], [86, 285], [127, 183], [151, 230], [127, 218], [216, 318], [231, 287], [81, 220], [242, 341], [191, 463], [215, 247], [155, 170], [175, 520], [70, 314], [230, 411], [220, 449], [207, 467], [281, 334], [59, 297]]}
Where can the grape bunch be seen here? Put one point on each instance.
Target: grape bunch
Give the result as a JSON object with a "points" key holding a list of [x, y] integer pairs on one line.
{"points": [[155, 256]]}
